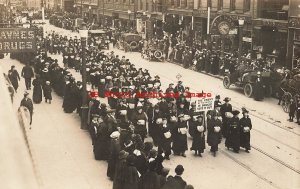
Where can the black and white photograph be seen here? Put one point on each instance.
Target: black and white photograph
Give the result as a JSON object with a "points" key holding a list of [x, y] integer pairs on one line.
{"points": [[150, 94]]}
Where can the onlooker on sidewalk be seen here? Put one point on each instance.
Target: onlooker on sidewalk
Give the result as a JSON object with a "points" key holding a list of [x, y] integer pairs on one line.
{"points": [[14, 77], [27, 102], [27, 73], [47, 92]]}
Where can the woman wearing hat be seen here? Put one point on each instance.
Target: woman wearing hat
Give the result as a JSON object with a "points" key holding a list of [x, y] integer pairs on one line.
{"points": [[180, 137], [47, 90], [37, 95], [165, 139], [226, 107], [198, 129], [114, 151], [233, 135], [140, 121], [246, 126], [120, 170], [101, 146], [214, 135]]}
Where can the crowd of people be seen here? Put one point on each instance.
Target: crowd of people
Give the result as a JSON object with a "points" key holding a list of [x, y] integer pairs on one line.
{"points": [[135, 134]]}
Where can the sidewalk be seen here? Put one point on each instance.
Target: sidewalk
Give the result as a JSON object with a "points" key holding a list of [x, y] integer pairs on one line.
{"points": [[62, 151]]}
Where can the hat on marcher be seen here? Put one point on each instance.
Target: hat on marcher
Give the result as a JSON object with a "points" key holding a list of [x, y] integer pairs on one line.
{"points": [[115, 135], [179, 169], [123, 154], [235, 112], [218, 97], [47, 82], [102, 105], [26, 93], [227, 99], [244, 110], [45, 70], [95, 115]]}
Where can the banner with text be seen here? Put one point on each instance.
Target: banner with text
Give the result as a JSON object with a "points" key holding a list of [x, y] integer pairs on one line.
{"points": [[17, 40], [204, 104]]}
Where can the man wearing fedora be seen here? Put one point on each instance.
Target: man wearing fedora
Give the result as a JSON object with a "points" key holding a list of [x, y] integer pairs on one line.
{"points": [[28, 74]]}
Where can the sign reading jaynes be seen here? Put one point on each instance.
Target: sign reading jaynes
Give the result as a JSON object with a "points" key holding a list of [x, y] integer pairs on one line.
{"points": [[204, 104], [17, 40]]}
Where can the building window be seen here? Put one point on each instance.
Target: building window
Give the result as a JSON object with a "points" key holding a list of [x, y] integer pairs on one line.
{"points": [[232, 5], [172, 2], [209, 3], [247, 4], [220, 4]]}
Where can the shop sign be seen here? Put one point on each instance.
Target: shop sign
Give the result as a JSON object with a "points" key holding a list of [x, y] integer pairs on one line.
{"points": [[17, 40]]}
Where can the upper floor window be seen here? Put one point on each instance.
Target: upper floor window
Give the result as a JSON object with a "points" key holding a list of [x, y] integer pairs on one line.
{"points": [[247, 5], [232, 5], [220, 4]]}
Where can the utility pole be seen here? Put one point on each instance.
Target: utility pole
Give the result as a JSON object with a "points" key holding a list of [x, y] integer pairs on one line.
{"points": [[43, 10]]}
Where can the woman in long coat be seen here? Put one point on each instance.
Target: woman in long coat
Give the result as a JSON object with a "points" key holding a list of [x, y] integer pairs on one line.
{"points": [[246, 126], [214, 135], [198, 129], [150, 180], [164, 145], [120, 172], [180, 137], [115, 149], [101, 146], [37, 95], [233, 138]]}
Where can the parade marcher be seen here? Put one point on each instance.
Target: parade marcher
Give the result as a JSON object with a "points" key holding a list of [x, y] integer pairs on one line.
{"points": [[14, 77], [214, 136], [226, 107], [246, 126], [180, 137], [70, 98], [120, 170], [234, 129], [28, 74], [27, 102], [114, 151], [153, 114], [140, 122], [176, 182], [258, 89], [165, 140], [131, 174], [93, 128], [37, 95], [47, 90], [198, 129], [101, 146], [298, 110]]}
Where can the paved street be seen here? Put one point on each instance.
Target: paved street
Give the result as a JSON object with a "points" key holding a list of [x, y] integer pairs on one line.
{"points": [[64, 157]]}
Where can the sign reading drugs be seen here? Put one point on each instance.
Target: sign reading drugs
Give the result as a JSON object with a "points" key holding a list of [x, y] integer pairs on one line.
{"points": [[204, 104], [17, 40]]}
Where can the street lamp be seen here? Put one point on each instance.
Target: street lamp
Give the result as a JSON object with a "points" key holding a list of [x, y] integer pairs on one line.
{"points": [[241, 24], [84, 108], [90, 15]]}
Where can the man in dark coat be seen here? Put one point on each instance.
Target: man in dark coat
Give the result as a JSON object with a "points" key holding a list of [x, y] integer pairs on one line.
{"points": [[27, 73], [27, 102], [175, 182], [233, 137], [246, 126], [14, 77], [150, 180], [37, 95]]}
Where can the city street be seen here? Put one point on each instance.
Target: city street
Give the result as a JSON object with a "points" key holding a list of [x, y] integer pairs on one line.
{"points": [[64, 157]]}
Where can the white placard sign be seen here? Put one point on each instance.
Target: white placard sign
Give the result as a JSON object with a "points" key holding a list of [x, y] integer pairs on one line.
{"points": [[204, 104]]}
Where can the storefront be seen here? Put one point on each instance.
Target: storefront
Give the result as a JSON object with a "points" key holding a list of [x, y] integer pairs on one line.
{"points": [[224, 32], [293, 55], [270, 40]]}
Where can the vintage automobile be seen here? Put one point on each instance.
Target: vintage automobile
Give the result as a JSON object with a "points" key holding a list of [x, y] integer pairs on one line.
{"points": [[129, 42], [99, 38], [247, 81]]}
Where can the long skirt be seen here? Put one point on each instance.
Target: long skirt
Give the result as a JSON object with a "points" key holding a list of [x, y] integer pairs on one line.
{"points": [[37, 95]]}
